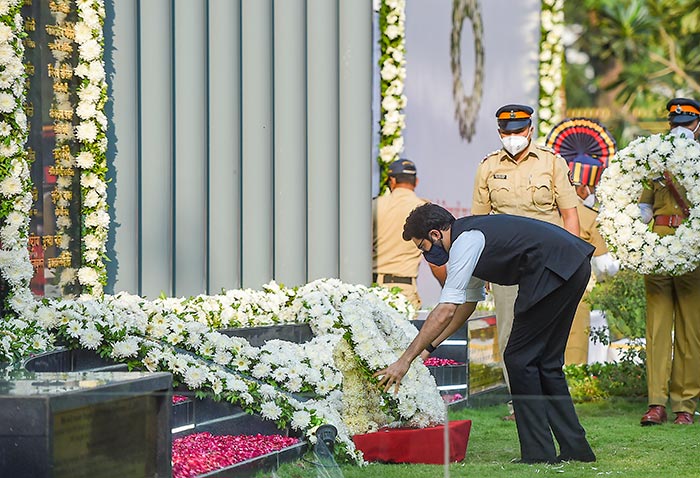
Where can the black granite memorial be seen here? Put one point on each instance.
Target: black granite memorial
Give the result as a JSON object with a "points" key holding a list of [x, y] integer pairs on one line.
{"points": [[85, 424], [257, 336]]}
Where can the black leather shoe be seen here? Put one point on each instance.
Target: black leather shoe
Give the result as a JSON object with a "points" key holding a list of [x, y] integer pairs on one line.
{"points": [[587, 458], [532, 461]]}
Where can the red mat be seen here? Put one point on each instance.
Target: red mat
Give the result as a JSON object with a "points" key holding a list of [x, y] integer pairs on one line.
{"points": [[415, 445]]}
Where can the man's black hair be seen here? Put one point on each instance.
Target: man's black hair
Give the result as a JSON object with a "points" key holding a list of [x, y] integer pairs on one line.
{"points": [[404, 178], [424, 219]]}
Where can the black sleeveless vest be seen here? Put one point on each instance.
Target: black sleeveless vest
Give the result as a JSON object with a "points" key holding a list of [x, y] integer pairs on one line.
{"points": [[537, 256]]}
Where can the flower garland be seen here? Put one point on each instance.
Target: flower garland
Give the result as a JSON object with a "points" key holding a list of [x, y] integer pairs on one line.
{"points": [[467, 107], [91, 133], [633, 242], [15, 182], [297, 385], [551, 103], [392, 63]]}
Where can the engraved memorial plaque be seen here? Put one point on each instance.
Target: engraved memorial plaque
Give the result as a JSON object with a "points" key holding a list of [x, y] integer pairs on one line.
{"points": [[94, 438]]}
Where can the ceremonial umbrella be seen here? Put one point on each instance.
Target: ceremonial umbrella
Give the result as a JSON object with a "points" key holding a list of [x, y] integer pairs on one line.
{"points": [[586, 145]]}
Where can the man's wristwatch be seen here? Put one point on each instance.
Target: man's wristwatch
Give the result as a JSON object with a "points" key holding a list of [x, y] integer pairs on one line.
{"points": [[430, 348]]}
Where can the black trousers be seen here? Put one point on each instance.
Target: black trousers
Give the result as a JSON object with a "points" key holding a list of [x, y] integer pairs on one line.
{"points": [[534, 358]]}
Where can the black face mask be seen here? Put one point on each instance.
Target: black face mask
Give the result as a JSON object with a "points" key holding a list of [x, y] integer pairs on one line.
{"points": [[437, 255]]}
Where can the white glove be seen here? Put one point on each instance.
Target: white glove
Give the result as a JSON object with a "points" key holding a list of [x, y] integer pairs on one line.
{"points": [[604, 266], [647, 212]]}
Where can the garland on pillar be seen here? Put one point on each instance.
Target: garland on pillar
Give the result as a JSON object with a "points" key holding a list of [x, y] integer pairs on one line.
{"points": [[91, 134], [551, 101], [15, 182], [392, 64]]}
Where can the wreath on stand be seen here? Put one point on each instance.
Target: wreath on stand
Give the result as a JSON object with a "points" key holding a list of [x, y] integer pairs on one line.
{"points": [[634, 243]]}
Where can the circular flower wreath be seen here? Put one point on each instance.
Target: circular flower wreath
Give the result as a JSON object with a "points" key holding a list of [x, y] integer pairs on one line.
{"points": [[632, 241]]}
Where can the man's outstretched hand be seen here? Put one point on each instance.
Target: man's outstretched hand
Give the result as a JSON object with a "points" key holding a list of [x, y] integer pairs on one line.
{"points": [[392, 375]]}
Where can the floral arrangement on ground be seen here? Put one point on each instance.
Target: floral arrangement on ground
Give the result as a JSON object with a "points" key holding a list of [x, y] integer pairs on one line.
{"points": [[326, 380]]}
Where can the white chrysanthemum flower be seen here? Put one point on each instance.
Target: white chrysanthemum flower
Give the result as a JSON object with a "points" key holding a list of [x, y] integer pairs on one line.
{"points": [[96, 71], [82, 70], [90, 338], [90, 50], [6, 53], [7, 102], [10, 186], [86, 131], [6, 33], [300, 419], [92, 199], [270, 410], [91, 256], [82, 31], [195, 376], [91, 241], [97, 219], [89, 93], [86, 110], [125, 348], [88, 276]]}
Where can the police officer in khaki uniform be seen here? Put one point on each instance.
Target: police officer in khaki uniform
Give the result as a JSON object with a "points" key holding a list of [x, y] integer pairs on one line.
{"points": [[525, 180], [673, 302], [395, 261], [603, 264]]}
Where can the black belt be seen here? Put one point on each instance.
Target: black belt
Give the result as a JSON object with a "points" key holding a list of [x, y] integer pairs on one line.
{"points": [[391, 279]]}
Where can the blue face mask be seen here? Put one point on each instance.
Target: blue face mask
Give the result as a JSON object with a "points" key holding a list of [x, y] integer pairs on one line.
{"points": [[437, 255]]}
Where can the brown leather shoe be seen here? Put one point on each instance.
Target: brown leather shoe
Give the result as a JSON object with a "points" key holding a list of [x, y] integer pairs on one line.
{"points": [[683, 418], [656, 415]]}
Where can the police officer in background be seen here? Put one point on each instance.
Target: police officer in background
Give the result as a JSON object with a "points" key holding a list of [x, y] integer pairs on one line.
{"points": [[522, 179], [585, 175], [673, 302], [395, 261]]}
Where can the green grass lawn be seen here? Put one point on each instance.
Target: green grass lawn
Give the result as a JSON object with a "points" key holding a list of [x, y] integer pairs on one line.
{"points": [[623, 448]]}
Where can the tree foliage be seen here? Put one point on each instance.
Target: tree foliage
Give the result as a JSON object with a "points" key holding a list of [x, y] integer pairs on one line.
{"points": [[642, 53]]}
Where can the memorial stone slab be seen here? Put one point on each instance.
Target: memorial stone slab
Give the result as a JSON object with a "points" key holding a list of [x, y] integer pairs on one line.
{"points": [[85, 424]]}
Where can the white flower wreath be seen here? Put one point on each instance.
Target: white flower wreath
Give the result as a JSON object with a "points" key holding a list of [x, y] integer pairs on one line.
{"points": [[632, 241]]}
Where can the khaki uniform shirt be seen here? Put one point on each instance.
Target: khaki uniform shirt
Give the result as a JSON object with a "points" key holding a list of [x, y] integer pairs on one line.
{"points": [[537, 186], [663, 203], [390, 253], [589, 229]]}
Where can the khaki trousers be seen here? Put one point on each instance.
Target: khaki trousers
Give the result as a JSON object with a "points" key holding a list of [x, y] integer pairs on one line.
{"points": [[673, 340], [504, 300], [577, 346]]}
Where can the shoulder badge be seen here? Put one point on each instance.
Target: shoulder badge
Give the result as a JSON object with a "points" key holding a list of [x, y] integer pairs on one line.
{"points": [[546, 148], [490, 154]]}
